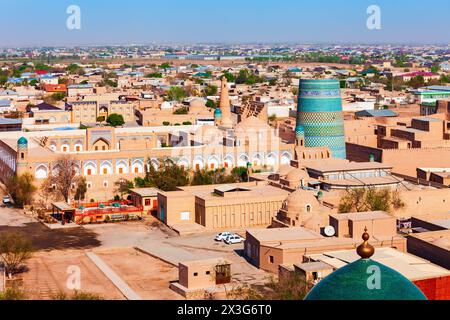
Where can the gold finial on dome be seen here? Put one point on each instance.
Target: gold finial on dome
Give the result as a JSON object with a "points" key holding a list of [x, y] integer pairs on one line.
{"points": [[365, 250]]}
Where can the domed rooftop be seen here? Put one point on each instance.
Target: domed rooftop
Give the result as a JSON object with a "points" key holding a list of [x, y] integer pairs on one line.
{"points": [[297, 202], [252, 122], [284, 169], [299, 129], [22, 140], [365, 279], [297, 175]]}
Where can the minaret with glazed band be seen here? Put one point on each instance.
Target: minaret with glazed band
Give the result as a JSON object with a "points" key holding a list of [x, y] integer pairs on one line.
{"points": [[320, 121]]}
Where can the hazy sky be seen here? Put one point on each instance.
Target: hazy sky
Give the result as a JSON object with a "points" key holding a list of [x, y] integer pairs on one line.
{"points": [[43, 22]]}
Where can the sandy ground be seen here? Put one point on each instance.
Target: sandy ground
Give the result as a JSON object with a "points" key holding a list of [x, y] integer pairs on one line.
{"points": [[49, 273], [147, 276], [56, 250]]}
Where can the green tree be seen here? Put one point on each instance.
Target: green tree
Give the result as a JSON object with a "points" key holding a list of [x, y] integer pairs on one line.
{"points": [[22, 188], [154, 75], [123, 187], [417, 82], [370, 199], [210, 90], [230, 77], [15, 250], [176, 94], [80, 192], [58, 96], [115, 120], [218, 176], [248, 77], [12, 294], [164, 66], [240, 174], [211, 104], [3, 79], [182, 110], [167, 177], [73, 69], [77, 295]]}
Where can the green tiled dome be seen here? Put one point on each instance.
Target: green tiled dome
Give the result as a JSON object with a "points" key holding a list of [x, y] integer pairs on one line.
{"points": [[351, 283], [217, 112], [22, 140]]}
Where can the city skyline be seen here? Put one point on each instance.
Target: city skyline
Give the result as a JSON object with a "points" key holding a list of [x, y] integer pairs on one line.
{"points": [[231, 22]]}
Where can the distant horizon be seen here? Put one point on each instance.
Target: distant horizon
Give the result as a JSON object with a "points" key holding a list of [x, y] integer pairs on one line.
{"points": [[287, 43], [35, 24]]}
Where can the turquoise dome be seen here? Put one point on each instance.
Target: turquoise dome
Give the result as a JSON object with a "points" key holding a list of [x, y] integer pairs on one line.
{"points": [[22, 141], [351, 283], [217, 112], [299, 130]]}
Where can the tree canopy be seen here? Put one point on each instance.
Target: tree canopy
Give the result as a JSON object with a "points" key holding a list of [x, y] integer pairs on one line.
{"points": [[176, 94], [167, 177], [115, 120], [370, 199]]}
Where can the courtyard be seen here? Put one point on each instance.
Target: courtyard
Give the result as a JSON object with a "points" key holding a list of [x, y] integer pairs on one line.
{"points": [[143, 255]]}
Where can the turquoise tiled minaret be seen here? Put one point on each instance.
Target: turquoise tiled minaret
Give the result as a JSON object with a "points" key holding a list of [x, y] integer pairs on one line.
{"points": [[319, 115]]}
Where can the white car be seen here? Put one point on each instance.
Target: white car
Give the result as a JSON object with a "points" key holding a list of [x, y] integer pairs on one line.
{"points": [[222, 236], [6, 199], [234, 238]]}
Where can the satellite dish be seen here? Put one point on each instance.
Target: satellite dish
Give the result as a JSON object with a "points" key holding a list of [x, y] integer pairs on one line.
{"points": [[329, 231]]}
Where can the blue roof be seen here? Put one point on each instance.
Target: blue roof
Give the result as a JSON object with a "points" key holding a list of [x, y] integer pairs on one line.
{"points": [[376, 113], [80, 86], [8, 92], [5, 103], [438, 88], [10, 121], [15, 80]]}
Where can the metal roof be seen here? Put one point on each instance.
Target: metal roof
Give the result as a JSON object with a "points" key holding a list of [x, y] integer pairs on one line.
{"points": [[376, 113]]}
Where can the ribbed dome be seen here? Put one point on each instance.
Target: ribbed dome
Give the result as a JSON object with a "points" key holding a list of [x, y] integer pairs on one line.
{"points": [[352, 282]]}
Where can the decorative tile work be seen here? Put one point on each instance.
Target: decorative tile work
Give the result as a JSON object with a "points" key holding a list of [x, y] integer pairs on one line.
{"points": [[319, 115]]}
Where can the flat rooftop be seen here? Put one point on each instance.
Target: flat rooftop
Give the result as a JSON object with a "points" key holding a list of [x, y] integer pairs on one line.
{"points": [[313, 266], [361, 216], [235, 192], [146, 192], [439, 219], [438, 238], [333, 166], [283, 234], [410, 266], [205, 262], [368, 181]]}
